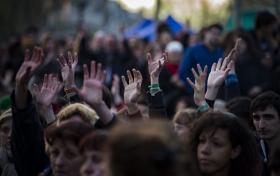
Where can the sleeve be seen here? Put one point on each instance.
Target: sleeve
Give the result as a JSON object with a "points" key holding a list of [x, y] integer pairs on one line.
{"points": [[156, 106], [185, 68], [232, 87], [27, 142]]}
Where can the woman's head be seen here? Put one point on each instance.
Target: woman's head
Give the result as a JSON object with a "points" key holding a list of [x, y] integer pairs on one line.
{"points": [[63, 147], [77, 112], [5, 129], [183, 121], [222, 144], [148, 148], [92, 149]]}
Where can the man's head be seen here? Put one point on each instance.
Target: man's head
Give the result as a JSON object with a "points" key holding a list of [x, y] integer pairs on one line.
{"points": [[212, 34], [265, 110], [265, 22]]}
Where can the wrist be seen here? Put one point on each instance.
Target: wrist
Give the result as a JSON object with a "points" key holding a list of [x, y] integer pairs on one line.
{"points": [[132, 109], [211, 93], [154, 80]]}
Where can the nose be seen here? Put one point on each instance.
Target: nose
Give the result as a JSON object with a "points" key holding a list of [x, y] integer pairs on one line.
{"points": [[261, 124], [87, 169], [59, 161], [205, 148]]}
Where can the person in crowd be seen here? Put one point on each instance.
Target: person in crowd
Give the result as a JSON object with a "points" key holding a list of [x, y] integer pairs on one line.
{"points": [[92, 148], [183, 121], [223, 146], [63, 147], [274, 163], [153, 148], [6, 159], [264, 111], [205, 53]]}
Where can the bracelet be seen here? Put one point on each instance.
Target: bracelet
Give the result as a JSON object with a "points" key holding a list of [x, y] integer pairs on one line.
{"points": [[70, 90], [204, 107], [154, 86]]}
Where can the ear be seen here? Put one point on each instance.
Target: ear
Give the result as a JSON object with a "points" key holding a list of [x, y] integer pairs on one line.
{"points": [[235, 152]]}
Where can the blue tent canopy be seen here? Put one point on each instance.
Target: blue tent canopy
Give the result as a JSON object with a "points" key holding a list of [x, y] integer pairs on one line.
{"points": [[147, 28]]}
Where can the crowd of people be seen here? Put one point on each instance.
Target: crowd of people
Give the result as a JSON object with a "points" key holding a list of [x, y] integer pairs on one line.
{"points": [[205, 103]]}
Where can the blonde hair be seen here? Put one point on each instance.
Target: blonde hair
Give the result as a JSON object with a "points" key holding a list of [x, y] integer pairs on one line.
{"points": [[185, 116], [87, 114]]}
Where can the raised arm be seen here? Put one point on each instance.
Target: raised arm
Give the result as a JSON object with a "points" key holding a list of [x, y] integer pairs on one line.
{"points": [[30, 64], [45, 95], [132, 90], [156, 103], [91, 92], [199, 87]]}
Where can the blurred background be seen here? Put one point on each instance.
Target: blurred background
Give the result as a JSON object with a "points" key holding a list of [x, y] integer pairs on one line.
{"points": [[66, 15], [119, 33]]}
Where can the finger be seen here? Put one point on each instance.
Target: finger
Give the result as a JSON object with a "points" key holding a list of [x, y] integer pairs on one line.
{"points": [[86, 73], [99, 71], [34, 53], [103, 77], [60, 63], [149, 57], [219, 64], [27, 55], [237, 44], [191, 83], [130, 78], [135, 75], [124, 81], [140, 76], [40, 55], [93, 69], [70, 58], [35, 89], [50, 81], [195, 74], [76, 57], [205, 70], [224, 63], [138, 86], [199, 69], [230, 65], [45, 82], [213, 68]]}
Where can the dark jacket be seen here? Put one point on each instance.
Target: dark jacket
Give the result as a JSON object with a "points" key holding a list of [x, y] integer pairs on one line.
{"points": [[27, 143]]}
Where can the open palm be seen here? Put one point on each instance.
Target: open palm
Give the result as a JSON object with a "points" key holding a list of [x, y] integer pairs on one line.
{"points": [[91, 91], [132, 89]]}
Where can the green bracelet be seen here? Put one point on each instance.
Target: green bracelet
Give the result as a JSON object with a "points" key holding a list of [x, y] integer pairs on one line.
{"points": [[154, 86], [204, 107]]}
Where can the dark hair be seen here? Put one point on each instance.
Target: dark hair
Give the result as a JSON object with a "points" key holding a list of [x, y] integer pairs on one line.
{"points": [[240, 106], [274, 163], [264, 18], [149, 148], [247, 163], [94, 141], [264, 100], [68, 131], [215, 25]]}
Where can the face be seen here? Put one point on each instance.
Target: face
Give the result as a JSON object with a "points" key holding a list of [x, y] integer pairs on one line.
{"points": [[65, 158], [175, 57], [5, 133], [93, 165], [214, 151], [182, 130], [266, 122], [212, 36]]}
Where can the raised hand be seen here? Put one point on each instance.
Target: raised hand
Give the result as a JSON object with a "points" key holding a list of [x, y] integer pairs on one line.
{"points": [[155, 66], [45, 95], [68, 64], [217, 76], [199, 85], [115, 90], [219, 72], [91, 91], [132, 88], [30, 64]]}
